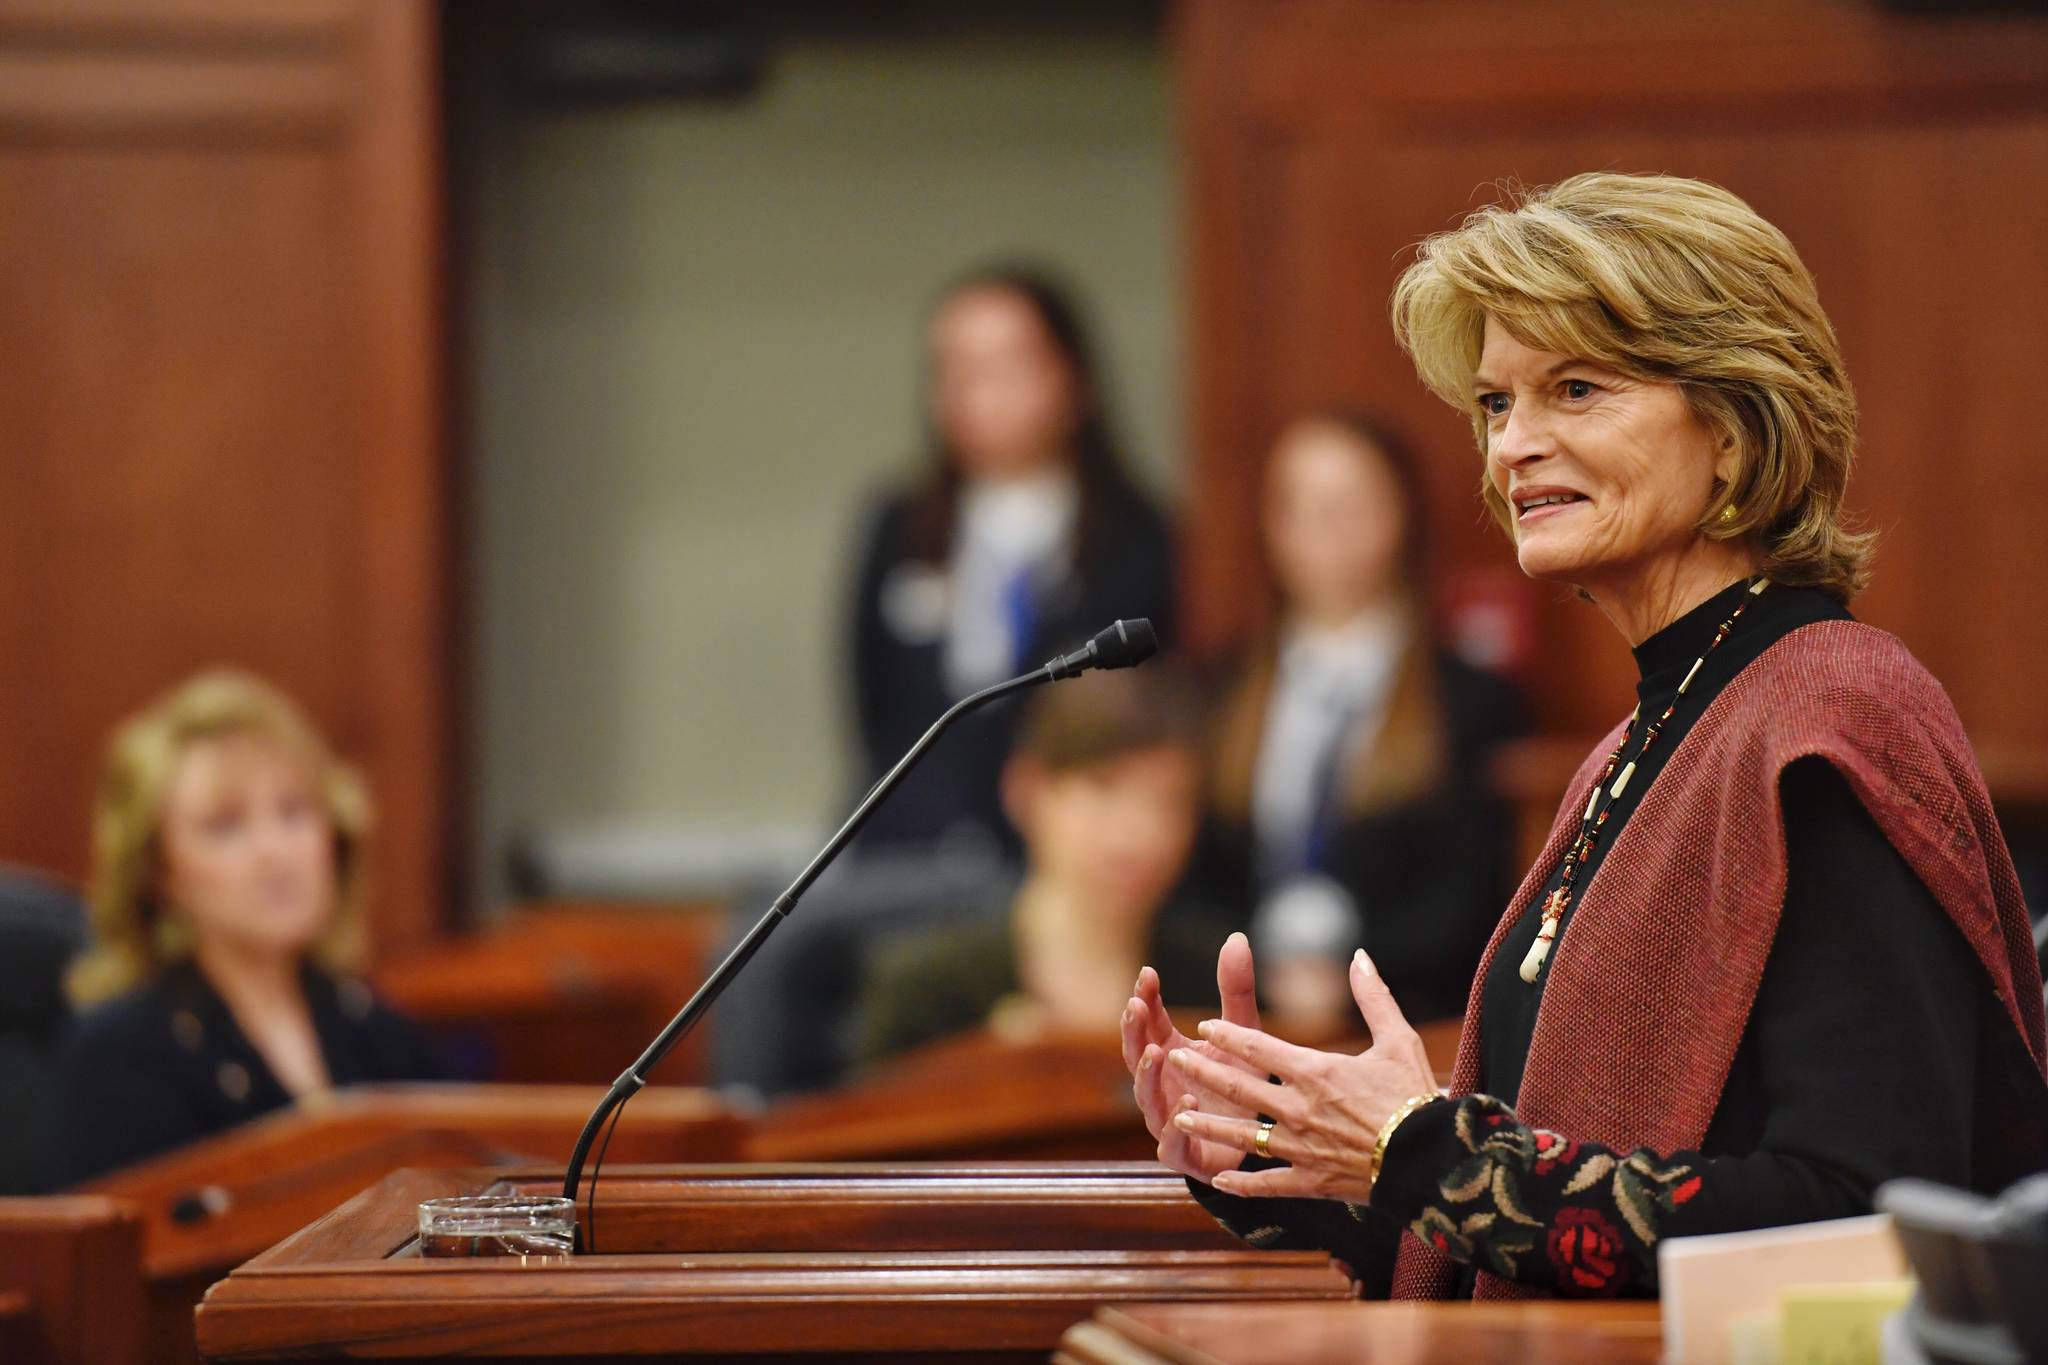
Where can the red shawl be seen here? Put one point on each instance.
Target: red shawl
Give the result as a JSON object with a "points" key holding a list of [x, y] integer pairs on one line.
{"points": [[1650, 986]]}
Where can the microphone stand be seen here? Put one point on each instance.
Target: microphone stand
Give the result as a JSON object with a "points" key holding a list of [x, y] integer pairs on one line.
{"points": [[634, 1077]]}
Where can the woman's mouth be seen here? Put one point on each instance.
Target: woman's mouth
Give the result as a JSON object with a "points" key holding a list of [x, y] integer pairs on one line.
{"points": [[1542, 505]]}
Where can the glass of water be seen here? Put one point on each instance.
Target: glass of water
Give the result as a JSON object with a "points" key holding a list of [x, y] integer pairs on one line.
{"points": [[498, 1225]]}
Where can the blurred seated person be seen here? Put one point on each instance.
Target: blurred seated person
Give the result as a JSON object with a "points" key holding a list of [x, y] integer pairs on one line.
{"points": [[226, 909], [1022, 536], [1349, 792], [1105, 788]]}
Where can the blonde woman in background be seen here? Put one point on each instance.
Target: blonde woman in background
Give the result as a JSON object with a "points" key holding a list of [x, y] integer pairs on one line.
{"points": [[226, 906]]}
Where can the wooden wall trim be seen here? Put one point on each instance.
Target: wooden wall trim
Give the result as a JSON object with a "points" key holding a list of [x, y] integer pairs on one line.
{"points": [[128, 96], [406, 600], [210, 24], [1219, 550], [1314, 64]]}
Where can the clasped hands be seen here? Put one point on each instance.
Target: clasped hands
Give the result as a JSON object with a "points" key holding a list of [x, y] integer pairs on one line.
{"points": [[1202, 1098]]}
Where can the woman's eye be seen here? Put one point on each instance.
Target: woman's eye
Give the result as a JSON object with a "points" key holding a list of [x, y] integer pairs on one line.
{"points": [[1493, 404], [1578, 389]]}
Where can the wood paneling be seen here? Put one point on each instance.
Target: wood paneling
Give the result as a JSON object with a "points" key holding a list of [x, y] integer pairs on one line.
{"points": [[220, 432], [925, 1206], [1903, 155]]}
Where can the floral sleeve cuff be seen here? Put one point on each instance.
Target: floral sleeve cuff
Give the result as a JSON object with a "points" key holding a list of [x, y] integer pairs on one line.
{"points": [[1473, 1181], [1363, 1239]]}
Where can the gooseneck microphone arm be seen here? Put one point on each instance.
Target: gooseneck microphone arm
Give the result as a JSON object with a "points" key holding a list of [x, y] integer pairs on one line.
{"points": [[1122, 645]]}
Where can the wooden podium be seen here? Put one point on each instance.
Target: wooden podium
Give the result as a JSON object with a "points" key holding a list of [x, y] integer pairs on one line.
{"points": [[991, 1261]]}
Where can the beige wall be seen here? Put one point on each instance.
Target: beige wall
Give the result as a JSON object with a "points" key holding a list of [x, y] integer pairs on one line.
{"points": [[692, 345]]}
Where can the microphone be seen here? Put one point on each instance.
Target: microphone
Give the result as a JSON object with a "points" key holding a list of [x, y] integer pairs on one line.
{"points": [[1124, 645]]}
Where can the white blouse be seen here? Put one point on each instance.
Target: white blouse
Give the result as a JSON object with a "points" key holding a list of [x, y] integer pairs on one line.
{"points": [[1010, 538]]}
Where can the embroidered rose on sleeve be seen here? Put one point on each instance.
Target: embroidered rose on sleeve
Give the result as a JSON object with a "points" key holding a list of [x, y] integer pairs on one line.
{"points": [[1585, 1248]]}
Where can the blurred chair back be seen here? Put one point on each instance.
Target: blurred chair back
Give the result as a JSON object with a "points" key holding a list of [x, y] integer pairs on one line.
{"points": [[1981, 1264], [783, 1025], [42, 927]]}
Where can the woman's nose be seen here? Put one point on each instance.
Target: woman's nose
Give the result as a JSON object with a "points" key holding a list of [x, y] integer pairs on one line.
{"points": [[1523, 435]]}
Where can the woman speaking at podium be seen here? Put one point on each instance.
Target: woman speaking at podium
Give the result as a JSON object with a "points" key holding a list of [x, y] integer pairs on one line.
{"points": [[1773, 952]]}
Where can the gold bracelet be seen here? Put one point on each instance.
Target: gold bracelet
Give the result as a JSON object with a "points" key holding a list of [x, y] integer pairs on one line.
{"points": [[1379, 1148]]}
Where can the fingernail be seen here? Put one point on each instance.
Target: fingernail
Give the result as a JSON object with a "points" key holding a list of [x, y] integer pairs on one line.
{"points": [[1145, 1061], [1238, 935], [1225, 1181], [1364, 962], [1184, 1121], [1206, 1027]]}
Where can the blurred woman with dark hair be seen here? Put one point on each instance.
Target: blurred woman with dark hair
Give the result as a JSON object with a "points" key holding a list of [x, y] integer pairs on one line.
{"points": [[1349, 790], [1023, 535]]}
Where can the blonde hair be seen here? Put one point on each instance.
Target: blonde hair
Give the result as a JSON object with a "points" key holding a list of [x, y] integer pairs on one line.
{"points": [[133, 937], [1666, 280]]}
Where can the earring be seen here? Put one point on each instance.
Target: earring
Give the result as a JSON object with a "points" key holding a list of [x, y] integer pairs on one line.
{"points": [[1728, 512]]}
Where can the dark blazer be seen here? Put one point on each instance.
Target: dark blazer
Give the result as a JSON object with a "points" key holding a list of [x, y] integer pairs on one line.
{"points": [[899, 684], [1429, 867], [166, 1064]]}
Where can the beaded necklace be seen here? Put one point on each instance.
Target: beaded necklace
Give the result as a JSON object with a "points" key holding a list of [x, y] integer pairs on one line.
{"points": [[1596, 813]]}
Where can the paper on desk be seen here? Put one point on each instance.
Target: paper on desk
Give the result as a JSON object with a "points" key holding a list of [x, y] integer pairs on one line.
{"points": [[1707, 1282]]}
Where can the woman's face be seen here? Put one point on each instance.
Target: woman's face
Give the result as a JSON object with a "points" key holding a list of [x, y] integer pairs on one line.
{"points": [[1334, 512], [1606, 477], [247, 847], [1003, 396]]}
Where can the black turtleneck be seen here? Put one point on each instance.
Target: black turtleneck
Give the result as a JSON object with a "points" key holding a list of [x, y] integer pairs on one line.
{"points": [[1662, 662]]}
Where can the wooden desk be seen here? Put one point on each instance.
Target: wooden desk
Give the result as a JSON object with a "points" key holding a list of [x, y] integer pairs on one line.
{"points": [[563, 992], [1366, 1334], [216, 1203], [1057, 1097], [210, 1206], [71, 1282], [1063, 1096], [988, 1262]]}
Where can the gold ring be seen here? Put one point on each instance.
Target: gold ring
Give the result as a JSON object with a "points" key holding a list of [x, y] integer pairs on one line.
{"points": [[1265, 1135]]}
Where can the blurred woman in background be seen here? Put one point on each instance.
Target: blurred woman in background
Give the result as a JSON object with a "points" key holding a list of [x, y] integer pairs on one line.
{"points": [[1023, 535], [1349, 792], [226, 908]]}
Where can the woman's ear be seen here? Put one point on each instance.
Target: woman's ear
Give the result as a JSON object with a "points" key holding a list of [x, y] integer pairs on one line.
{"points": [[1024, 783], [1727, 462]]}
